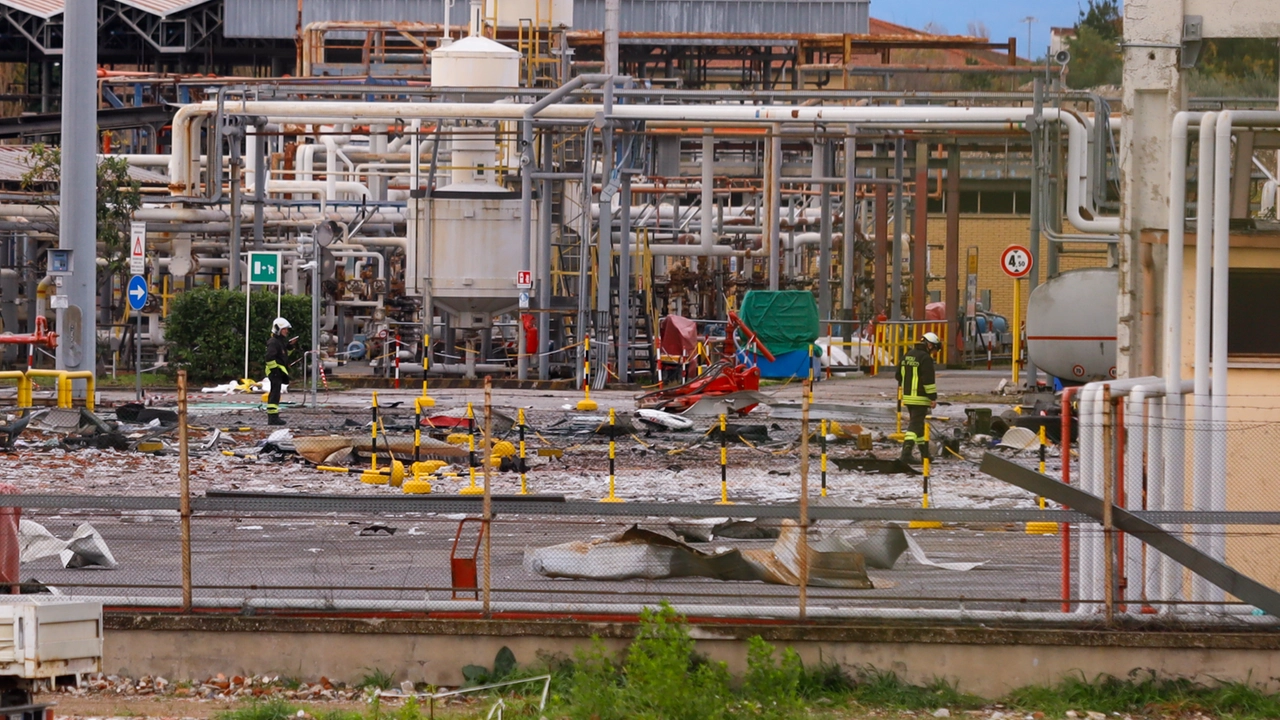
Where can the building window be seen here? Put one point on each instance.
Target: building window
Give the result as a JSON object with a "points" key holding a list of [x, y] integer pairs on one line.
{"points": [[1251, 303], [969, 202], [997, 203]]}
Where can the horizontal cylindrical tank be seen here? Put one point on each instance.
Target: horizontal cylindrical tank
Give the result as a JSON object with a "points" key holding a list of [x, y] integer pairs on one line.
{"points": [[1071, 325]]}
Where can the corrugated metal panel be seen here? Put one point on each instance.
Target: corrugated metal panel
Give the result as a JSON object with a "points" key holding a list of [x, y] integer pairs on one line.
{"points": [[15, 162], [40, 8], [730, 16], [163, 8], [277, 18], [48, 8]]}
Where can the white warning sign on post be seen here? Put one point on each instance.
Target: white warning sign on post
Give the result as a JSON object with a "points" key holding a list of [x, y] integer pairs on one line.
{"points": [[137, 248]]}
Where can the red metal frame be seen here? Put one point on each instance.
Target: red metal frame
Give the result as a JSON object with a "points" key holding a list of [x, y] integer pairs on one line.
{"points": [[463, 571]]}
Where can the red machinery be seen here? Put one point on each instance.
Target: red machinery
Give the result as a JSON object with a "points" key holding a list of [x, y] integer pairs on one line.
{"points": [[41, 336], [716, 380]]}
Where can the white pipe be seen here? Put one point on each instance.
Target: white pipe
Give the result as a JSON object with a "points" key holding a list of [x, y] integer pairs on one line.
{"points": [[926, 116], [1218, 362], [382, 270], [1078, 180], [1201, 458], [707, 231]]}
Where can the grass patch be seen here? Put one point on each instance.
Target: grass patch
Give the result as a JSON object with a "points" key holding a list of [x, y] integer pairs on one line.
{"points": [[262, 710], [661, 676], [376, 679], [126, 381], [1144, 692]]}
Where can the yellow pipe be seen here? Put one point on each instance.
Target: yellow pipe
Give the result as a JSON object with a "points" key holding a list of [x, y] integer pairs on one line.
{"points": [[90, 384], [60, 375], [24, 385]]}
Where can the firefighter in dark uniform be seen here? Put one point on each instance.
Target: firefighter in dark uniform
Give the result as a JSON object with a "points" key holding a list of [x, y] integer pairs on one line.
{"points": [[919, 391], [277, 366]]}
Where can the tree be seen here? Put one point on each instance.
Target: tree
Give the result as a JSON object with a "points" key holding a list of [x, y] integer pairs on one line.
{"points": [[1103, 16], [1095, 49], [119, 196]]}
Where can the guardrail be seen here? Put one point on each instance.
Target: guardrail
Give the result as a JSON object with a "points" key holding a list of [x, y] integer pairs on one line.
{"points": [[65, 380], [893, 339]]}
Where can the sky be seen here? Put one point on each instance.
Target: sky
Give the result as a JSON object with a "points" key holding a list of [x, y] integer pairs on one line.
{"points": [[1004, 18]]}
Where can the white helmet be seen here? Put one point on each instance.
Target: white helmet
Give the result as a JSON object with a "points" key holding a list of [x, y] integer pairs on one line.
{"points": [[932, 339], [279, 324]]}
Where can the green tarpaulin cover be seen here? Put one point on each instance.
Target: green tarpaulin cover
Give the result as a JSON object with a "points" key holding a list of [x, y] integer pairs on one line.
{"points": [[784, 320]]}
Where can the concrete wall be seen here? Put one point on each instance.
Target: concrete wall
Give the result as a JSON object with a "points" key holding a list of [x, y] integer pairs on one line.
{"points": [[985, 661]]}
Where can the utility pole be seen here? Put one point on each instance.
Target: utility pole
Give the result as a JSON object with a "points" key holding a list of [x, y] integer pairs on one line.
{"points": [[1028, 20]]}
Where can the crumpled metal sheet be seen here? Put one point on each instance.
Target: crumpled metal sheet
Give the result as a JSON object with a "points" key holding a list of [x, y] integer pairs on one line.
{"points": [[637, 553], [318, 449], [85, 548]]}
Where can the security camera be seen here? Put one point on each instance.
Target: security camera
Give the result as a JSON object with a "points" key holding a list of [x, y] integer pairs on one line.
{"points": [[1062, 57]]}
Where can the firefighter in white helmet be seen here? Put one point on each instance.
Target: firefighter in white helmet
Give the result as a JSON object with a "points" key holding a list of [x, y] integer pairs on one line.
{"points": [[277, 366], [919, 391]]}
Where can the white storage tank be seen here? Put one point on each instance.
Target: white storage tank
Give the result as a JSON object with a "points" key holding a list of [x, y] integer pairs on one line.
{"points": [[475, 62], [475, 252], [540, 13], [1071, 325]]}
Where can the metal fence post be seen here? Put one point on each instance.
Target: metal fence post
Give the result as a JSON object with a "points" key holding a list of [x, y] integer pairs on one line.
{"points": [[184, 490], [803, 546], [1108, 496], [488, 496]]}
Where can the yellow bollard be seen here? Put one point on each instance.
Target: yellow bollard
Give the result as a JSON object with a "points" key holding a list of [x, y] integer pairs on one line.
{"points": [[612, 454], [586, 404], [472, 489], [724, 462], [1042, 527], [924, 502]]}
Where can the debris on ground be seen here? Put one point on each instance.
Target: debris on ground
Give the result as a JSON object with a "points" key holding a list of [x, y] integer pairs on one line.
{"points": [[85, 548]]}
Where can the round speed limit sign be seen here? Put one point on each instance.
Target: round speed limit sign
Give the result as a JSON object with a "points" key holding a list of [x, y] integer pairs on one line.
{"points": [[1016, 261]]}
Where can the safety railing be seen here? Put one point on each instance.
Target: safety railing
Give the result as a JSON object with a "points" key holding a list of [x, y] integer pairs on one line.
{"points": [[894, 339], [64, 379]]}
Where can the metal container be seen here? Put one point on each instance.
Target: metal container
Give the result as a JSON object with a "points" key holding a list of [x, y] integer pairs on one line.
{"points": [[475, 62], [541, 13], [475, 253], [1071, 325], [47, 637]]}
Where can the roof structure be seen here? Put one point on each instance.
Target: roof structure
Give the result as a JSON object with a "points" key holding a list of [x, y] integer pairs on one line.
{"points": [[15, 161], [49, 8]]}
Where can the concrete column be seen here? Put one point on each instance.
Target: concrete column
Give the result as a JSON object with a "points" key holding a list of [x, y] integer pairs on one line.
{"points": [[77, 348], [823, 151], [1153, 93], [773, 203]]}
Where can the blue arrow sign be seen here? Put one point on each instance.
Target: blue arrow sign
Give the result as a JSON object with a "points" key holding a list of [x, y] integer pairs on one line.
{"points": [[137, 292]]}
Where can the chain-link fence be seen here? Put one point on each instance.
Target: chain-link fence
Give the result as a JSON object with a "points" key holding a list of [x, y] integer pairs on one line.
{"points": [[704, 515]]}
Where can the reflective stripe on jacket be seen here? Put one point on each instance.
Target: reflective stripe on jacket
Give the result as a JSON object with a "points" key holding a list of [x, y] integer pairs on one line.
{"points": [[916, 377]]}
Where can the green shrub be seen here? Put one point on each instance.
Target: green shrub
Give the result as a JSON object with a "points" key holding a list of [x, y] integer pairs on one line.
{"points": [[773, 687], [205, 332]]}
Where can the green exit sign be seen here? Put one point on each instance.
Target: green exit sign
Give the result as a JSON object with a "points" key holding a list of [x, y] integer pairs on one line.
{"points": [[264, 268]]}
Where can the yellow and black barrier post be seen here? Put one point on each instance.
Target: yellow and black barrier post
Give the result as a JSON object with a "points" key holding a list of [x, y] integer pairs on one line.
{"points": [[426, 400], [418, 485], [822, 458], [724, 462], [924, 498], [1042, 527], [613, 446], [472, 489], [524, 488], [586, 404]]}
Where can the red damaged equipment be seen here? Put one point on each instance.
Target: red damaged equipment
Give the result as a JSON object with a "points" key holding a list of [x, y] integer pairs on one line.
{"points": [[719, 379]]}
